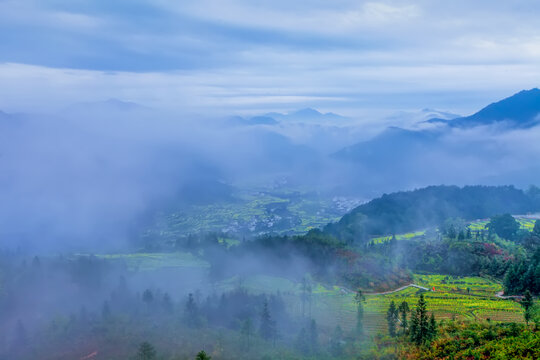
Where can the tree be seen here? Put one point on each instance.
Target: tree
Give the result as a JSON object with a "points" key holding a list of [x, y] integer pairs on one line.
{"points": [[404, 311], [267, 328], [360, 299], [314, 336], [432, 328], [451, 232], [106, 311], [505, 226], [247, 330], [419, 323], [336, 347], [511, 279], [167, 304], [147, 297], [536, 229], [36, 263], [191, 312], [202, 356], [527, 304], [146, 351], [302, 341], [392, 318]]}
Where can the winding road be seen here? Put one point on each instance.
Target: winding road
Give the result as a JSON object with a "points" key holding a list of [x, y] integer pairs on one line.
{"points": [[499, 294], [389, 292]]}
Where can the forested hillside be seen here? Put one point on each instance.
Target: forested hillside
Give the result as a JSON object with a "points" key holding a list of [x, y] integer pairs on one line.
{"points": [[408, 211]]}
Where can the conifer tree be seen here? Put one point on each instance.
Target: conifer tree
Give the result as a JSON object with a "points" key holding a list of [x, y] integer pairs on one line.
{"points": [[146, 351], [527, 304], [247, 331], [302, 342], [432, 327], [419, 323], [267, 328], [314, 336], [391, 318], [191, 312], [105, 310], [360, 300], [203, 356], [404, 311], [336, 347]]}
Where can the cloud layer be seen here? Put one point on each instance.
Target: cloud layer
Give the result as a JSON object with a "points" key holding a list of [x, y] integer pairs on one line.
{"points": [[235, 55]]}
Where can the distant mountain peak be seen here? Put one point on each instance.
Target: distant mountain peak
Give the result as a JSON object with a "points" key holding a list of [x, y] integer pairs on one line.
{"points": [[307, 112], [520, 110]]}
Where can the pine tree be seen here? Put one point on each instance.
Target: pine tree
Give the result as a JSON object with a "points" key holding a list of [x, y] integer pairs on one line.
{"points": [[432, 328], [302, 342], [422, 317], [511, 279], [167, 304], [391, 318], [419, 323], [146, 351], [404, 311], [148, 297], [360, 300], [335, 342], [191, 312], [314, 336], [106, 311], [202, 356], [527, 304], [267, 328], [246, 331]]}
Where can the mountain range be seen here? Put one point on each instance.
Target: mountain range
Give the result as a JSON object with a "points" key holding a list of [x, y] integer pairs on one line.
{"points": [[520, 111]]}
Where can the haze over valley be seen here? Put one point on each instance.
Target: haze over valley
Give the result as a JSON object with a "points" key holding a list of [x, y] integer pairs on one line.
{"points": [[225, 180]]}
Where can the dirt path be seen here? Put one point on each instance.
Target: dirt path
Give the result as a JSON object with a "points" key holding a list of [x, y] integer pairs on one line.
{"points": [[500, 295], [391, 291], [399, 289]]}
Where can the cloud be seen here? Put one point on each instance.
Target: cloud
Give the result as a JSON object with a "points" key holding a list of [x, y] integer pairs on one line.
{"points": [[234, 54]]}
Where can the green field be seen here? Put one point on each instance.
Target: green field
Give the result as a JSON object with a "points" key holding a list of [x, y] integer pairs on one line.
{"points": [[155, 261], [405, 236], [526, 223]]}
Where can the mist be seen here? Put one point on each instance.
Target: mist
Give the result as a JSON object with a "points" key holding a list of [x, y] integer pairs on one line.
{"points": [[312, 180]]}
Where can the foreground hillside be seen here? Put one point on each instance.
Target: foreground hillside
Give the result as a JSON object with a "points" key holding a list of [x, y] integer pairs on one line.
{"points": [[455, 287]]}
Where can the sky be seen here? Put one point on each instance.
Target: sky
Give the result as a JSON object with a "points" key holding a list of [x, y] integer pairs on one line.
{"points": [[356, 58]]}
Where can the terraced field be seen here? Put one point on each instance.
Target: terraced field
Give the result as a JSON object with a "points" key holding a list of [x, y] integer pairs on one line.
{"points": [[460, 297], [335, 305]]}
